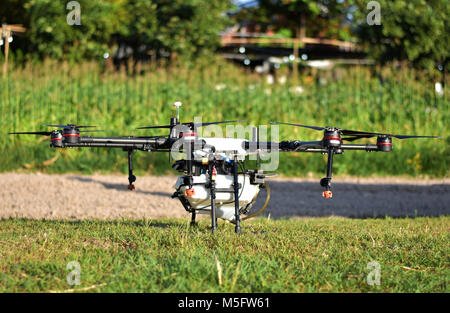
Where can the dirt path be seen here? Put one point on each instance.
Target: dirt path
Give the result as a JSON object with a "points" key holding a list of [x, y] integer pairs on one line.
{"points": [[73, 196]]}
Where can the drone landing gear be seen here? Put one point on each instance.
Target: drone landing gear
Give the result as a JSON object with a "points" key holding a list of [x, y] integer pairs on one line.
{"points": [[131, 177], [212, 189], [193, 222], [212, 175], [236, 196], [326, 181]]}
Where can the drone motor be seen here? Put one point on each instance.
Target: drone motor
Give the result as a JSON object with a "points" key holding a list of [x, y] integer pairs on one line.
{"points": [[71, 135], [384, 143], [56, 139]]}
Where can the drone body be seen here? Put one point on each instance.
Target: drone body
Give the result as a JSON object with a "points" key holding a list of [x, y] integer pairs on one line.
{"points": [[197, 198], [210, 176], [213, 177]]}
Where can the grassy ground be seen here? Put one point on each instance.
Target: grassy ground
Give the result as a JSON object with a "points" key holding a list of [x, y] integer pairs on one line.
{"points": [[305, 255]]}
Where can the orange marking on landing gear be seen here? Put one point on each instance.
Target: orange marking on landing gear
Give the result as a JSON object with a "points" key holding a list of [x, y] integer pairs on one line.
{"points": [[327, 194]]}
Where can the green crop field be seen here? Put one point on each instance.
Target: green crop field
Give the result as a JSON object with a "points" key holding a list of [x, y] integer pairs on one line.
{"points": [[352, 98], [304, 255]]}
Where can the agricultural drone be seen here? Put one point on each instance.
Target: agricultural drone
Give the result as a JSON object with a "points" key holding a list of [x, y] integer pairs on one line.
{"points": [[213, 177]]}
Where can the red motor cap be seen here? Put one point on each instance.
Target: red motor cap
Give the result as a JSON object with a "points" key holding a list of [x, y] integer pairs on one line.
{"points": [[187, 134], [56, 140], [71, 135], [332, 137]]}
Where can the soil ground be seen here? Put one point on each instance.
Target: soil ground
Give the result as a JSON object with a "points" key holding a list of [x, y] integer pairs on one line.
{"points": [[73, 196]]}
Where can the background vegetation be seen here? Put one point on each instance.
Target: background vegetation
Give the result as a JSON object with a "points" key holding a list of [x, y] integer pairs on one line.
{"points": [[415, 31], [185, 27], [398, 101], [74, 88]]}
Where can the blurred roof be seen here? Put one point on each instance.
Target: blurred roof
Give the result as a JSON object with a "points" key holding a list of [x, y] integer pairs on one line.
{"points": [[245, 3]]}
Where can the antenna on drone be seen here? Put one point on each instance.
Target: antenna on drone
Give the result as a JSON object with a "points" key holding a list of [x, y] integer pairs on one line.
{"points": [[177, 104]]}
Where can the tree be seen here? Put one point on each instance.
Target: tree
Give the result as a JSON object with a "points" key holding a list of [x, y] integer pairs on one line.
{"points": [[185, 27], [51, 35], [411, 30]]}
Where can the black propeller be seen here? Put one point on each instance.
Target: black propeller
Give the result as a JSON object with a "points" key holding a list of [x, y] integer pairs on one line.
{"points": [[160, 126], [69, 126], [43, 133], [356, 137], [356, 134], [191, 124], [149, 137], [312, 127], [31, 133]]}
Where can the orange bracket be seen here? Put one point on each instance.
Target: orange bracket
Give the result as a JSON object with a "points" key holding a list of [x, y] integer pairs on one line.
{"points": [[327, 194]]}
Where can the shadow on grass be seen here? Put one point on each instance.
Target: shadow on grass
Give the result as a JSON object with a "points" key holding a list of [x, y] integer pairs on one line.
{"points": [[119, 187], [353, 200], [168, 223]]}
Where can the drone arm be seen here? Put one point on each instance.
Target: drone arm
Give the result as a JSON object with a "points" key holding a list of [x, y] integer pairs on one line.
{"points": [[284, 146], [367, 147], [135, 146], [119, 142], [317, 146], [128, 144], [300, 146], [321, 147], [122, 140]]}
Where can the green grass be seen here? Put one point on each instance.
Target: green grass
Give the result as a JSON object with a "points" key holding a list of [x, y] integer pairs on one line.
{"points": [[305, 255], [354, 98]]}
